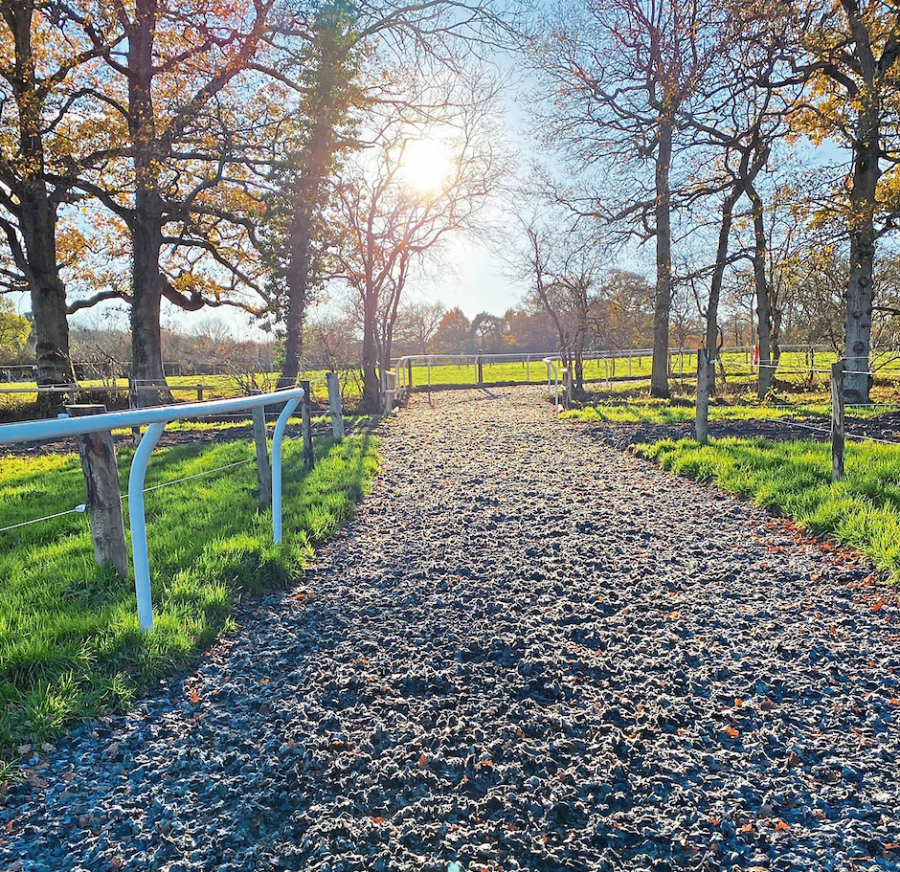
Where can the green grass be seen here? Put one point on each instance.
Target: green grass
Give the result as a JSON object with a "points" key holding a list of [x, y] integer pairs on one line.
{"points": [[184, 388], [70, 646], [793, 479], [666, 412]]}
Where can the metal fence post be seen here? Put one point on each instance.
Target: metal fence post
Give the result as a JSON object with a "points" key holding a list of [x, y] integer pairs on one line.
{"points": [[409, 376], [138, 524], [277, 439], [837, 421]]}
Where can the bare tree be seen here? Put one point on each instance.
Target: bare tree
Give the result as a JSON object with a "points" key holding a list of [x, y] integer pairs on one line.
{"points": [[391, 223], [417, 324], [620, 72]]}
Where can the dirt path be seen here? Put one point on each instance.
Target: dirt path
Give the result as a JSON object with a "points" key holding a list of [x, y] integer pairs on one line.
{"points": [[530, 651]]}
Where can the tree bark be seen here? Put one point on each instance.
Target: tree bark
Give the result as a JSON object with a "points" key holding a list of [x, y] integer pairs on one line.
{"points": [[298, 291], [370, 354], [147, 219], [764, 324], [36, 215], [715, 287], [659, 374], [860, 288], [146, 305]]}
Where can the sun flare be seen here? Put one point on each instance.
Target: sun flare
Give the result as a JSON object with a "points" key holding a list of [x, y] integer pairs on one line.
{"points": [[426, 164]]}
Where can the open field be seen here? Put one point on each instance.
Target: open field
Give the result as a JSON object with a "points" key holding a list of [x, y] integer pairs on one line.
{"points": [[184, 388], [607, 378], [70, 646]]}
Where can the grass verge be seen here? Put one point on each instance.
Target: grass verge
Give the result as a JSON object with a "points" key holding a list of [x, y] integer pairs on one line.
{"points": [[70, 645], [673, 412], [793, 479]]}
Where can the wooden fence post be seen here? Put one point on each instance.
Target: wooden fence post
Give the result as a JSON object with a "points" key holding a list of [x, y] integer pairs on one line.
{"points": [[134, 403], [263, 471], [837, 421], [701, 424], [567, 385], [334, 403], [479, 371], [309, 460], [104, 504]]}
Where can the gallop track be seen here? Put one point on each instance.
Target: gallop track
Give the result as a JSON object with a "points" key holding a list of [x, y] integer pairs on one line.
{"points": [[530, 651]]}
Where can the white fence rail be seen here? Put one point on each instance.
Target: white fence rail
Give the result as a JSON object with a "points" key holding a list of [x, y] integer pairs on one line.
{"points": [[155, 418]]}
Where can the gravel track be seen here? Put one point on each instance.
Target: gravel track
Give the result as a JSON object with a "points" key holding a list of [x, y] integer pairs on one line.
{"points": [[530, 651]]}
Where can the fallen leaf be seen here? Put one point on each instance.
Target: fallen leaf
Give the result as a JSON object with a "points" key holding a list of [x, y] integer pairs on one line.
{"points": [[732, 731], [747, 828], [423, 761], [738, 702], [193, 696], [879, 605], [782, 826]]}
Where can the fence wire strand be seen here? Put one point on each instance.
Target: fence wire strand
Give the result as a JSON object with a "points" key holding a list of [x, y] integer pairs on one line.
{"points": [[80, 509]]}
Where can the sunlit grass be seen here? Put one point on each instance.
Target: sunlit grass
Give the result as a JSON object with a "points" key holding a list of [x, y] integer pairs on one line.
{"points": [[70, 646], [793, 479]]}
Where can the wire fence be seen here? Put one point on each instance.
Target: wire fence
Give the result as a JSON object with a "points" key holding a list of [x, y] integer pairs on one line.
{"points": [[81, 508]]}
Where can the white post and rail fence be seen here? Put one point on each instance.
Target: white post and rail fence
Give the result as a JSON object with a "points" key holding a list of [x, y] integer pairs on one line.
{"points": [[93, 426]]}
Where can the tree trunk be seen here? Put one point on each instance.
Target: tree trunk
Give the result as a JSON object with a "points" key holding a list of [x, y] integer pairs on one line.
{"points": [[659, 374], [860, 288], [146, 304], [37, 216], [297, 291], [48, 295], [763, 297], [715, 287], [147, 220], [371, 388]]}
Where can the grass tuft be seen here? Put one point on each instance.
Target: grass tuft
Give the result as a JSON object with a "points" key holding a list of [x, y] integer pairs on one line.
{"points": [[70, 645], [793, 479]]}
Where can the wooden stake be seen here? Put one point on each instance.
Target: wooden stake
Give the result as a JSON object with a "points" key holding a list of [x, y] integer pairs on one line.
{"points": [[701, 424], [263, 470], [334, 403], [837, 421], [133, 403], [104, 504], [309, 460]]}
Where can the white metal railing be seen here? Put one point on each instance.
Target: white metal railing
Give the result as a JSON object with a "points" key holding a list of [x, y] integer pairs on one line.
{"points": [[552, 373], [155, 418]]}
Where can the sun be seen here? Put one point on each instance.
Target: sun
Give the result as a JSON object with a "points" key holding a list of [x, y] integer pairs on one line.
{"points": [[425, 164]]}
